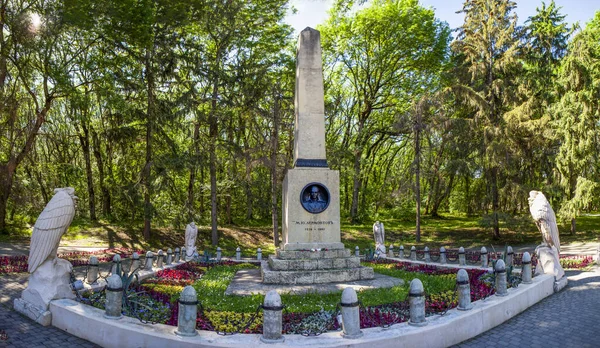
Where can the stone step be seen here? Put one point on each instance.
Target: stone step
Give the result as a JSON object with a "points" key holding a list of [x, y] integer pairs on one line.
{"points": [[308, 254], [277, 264], [315, 277]]}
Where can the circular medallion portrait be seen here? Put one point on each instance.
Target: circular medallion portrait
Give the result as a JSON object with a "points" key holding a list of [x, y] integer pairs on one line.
{"points": [[314, 198]]}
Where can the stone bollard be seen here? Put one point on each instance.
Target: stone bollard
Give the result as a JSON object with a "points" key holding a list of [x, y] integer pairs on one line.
{"points": [[401, 252], [350, 314], [391, 251], [169, 256], [464, 290], [461, 256], [183, 258], [188, 312], [500, 271], [149, 260], [114, 297], [272, 318], [413, 253], [238, 253], [159, 259], [92, 272], [509, 256], [526, 270], [135, 262], [177, 255], [219, 254], [416, 296], [443, 258], [426, 256], [259, 254], [484, 257], [116, 265], [357, 251]]}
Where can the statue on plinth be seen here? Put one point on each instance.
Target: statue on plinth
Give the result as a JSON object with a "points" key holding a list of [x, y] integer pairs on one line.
{"points": [[191, 233], [548, 252], [50, 276], [379, 233]]}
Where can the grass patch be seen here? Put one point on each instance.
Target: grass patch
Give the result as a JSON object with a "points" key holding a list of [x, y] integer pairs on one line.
{"points": [[211, 288]]}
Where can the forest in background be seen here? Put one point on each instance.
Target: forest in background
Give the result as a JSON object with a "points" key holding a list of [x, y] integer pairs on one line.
{"points": [[159, 112]]}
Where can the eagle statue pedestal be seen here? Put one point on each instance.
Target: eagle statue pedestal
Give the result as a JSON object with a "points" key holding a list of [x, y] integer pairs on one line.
{"points": [[549, 263], [50, 281]]}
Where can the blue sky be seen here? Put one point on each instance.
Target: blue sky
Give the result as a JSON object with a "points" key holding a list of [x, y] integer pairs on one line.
{"points": [[313, 12]]}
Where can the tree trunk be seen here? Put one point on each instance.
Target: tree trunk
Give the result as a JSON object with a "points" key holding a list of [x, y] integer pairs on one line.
{"points": [[417, 128], [356, 187], [494, 183], [193, 169], [6, 177], [573, 226], [438, 202], [85, 146], [8, 170], [274, 181], [147, 171], [213, 133], [106, 199]]}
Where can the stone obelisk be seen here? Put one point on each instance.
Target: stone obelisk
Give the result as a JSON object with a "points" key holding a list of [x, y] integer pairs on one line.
{"points": [[305, 228], [312, 249]]}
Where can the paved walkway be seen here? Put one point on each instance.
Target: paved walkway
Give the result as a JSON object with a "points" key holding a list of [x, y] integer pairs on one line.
{"points": [[566, 319]]}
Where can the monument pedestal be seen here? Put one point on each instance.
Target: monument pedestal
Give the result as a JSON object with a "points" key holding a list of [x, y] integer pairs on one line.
{"points": [[313, 267]]}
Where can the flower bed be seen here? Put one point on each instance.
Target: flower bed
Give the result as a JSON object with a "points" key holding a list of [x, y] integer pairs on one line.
{"points": [[306, 314], [576, 261], [18, 263]]}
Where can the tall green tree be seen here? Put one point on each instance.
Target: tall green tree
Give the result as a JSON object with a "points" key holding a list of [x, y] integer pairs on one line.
{"points": [[577, 119], [488, 44], [530, 121], [36, 57], [384, 56]]}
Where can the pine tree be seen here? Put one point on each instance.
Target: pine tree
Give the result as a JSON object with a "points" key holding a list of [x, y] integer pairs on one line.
{"points": [[489, 46]]}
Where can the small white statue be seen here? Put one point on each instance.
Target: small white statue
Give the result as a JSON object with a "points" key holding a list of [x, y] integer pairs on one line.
{"points": [[549, 251], [191, 233], [379, 233], [50, 276]]}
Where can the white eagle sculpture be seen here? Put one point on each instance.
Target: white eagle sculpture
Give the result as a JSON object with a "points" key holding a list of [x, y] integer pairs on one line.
{"points": [[548, 253], [544, 218], [50, 226], [50, 276], [191, 233]]}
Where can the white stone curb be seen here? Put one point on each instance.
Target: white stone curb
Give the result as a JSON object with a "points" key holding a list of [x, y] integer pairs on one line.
{"points": [[442, 331]]}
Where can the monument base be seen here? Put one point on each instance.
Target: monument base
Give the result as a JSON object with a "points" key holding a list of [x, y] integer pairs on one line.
{"points": [[40, 315], [548, 262], [313, 267]]}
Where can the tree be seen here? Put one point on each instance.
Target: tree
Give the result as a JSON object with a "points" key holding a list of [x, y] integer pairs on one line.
{"points": [[488, 44], [383, 56], [577, 118], [36, 56]]}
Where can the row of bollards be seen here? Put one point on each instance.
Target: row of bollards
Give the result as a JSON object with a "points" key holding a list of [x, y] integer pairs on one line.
{"points": [[349, 305], [443, 259]]}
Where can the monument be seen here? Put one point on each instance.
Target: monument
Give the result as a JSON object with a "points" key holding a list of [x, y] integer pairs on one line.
{"points": [[191, 233], [379, 234], [312, 249]]}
